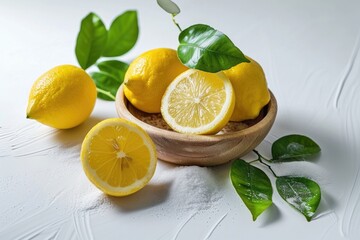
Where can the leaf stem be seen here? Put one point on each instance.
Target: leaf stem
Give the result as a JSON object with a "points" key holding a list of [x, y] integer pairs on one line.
{"points": [[260, 157], [174, 21], [256, 160], [264, 158], [257, 153], [106, 93]]}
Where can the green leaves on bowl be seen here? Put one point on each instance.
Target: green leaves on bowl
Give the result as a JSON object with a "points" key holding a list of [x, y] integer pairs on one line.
{"points": [[204, 48]]}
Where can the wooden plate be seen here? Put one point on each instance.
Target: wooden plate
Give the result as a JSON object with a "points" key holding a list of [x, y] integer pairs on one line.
{"points": [[236, 139]]}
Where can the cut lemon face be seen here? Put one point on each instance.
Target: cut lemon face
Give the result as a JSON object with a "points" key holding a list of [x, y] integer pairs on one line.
{"points": [[198, 102], [118, 157]]}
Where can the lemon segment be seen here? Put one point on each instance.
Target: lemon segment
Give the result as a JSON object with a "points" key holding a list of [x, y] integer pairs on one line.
{"points": [[118, 157], [250, 87], [198, 102]]}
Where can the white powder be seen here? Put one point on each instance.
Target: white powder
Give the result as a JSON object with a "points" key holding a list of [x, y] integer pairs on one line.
{"points": [[192, 188], [93, 201], [179, 188]]}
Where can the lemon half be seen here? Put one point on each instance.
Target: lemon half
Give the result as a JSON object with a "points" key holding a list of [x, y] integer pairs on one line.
{"points": [[118, 157], [198, 102]]}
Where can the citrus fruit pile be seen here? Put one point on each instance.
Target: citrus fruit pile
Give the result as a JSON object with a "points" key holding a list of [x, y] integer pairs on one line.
{"points": [[192, 101], [118, 156]]}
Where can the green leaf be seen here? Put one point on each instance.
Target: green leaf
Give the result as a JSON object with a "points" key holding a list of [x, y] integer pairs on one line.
{"points": [[115, 68], [106, 82], [204, 48], [252, 185], [169, 6], [122, 35], [293, 148], [301, 193], [90, 41]]}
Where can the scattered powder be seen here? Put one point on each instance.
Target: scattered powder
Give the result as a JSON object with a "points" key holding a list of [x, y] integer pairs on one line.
{"points": [[187, 189], [94, 200], [192, 188]]}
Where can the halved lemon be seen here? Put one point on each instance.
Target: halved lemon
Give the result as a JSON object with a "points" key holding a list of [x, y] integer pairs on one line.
{"points": [[198, 102], [118, 157]]}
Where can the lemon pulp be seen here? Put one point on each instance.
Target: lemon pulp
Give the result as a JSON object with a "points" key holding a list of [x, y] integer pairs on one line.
{"points": [[198, 102], [118, 157]]}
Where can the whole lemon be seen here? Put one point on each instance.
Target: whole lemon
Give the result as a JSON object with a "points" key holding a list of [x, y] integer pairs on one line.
{"points": [[63, 97], [149, 75], [250, 87]]}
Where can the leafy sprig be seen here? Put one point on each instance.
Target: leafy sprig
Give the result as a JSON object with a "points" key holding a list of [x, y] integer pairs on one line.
{"points": [[203, 47], [94, 42], [254, 187]]}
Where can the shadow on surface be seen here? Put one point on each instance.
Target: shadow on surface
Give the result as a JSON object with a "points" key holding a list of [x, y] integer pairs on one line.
{"points": [[150, 196], [326, 206], [221, 174], [76, 135], [271, 215]]}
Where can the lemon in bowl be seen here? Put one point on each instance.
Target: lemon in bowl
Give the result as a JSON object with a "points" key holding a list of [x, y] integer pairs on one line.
{"points": [[149, 75], [194, 126], [251, 90]]}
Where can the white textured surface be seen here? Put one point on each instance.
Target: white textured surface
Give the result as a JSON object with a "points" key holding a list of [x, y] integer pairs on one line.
{"points": [[310, 53]]}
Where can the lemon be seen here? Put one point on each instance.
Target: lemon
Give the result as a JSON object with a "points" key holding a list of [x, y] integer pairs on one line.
{"points": [[148, 77], [198, 102], [251, 91], [63, 97], [118, 157]]}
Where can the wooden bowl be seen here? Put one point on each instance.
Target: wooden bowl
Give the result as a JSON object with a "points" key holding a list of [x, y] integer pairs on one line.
{"points": [[236, 139]]}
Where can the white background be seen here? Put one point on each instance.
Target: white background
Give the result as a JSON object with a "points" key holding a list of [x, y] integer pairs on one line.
{"points": [[310, 53]]}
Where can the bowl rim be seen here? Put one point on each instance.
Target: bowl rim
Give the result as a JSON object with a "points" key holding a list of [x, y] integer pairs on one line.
{"points": [[122, 110]]}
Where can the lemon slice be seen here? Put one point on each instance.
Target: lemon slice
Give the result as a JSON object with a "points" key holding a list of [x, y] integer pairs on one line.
{"points": [[118, 157], [198, 102]]}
